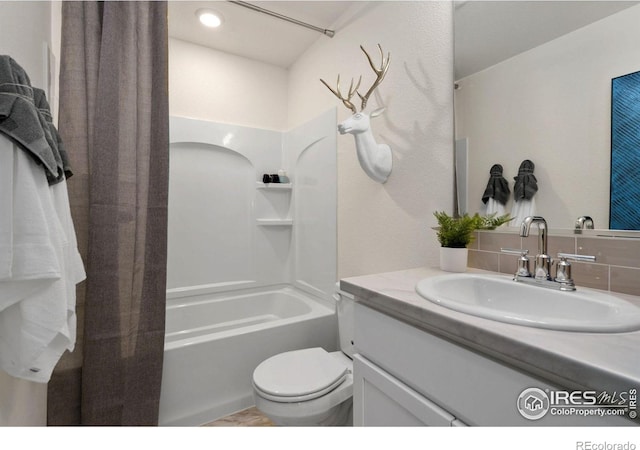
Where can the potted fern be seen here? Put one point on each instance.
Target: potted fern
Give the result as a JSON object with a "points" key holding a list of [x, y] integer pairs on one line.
{"points": [[456, 233]]}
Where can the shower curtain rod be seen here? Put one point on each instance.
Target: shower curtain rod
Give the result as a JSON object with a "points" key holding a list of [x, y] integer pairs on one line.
{"points": [[324, 31]]}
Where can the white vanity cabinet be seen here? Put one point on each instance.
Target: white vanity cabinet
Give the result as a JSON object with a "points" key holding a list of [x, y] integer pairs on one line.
{"points": [[404, 376]]}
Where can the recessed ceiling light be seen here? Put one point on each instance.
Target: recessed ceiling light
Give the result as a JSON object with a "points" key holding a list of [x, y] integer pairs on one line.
{"points": [[209, 18]]}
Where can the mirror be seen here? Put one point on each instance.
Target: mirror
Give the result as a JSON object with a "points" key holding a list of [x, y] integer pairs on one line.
{"points": [[534, 81]]}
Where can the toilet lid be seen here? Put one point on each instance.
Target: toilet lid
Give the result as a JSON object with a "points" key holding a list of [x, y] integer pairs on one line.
{"points": [[299, 375]]}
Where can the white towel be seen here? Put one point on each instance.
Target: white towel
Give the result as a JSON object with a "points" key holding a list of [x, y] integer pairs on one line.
{"points": [[521, 209], [495, 207], [37, 295], [6, 213], [28, 259]]}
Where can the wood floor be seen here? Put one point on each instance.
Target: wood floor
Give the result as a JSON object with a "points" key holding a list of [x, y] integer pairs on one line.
{"points": [[247, 418]]}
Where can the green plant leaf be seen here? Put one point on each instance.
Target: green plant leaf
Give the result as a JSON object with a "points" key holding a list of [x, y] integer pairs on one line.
{"points": [[457, 232], [491, 222]]}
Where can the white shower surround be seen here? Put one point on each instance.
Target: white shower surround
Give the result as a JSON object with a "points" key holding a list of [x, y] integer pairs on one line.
{"points": [[215, 172], [255, 263]]}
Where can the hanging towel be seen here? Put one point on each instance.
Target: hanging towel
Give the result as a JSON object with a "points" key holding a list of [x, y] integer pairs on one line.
{"points": [[27, 255], [21, 120], [524, 190], [37, 307], [526, 184], [521, 210], [59, 152], [497, 187], [6, 214], [494, 208]]}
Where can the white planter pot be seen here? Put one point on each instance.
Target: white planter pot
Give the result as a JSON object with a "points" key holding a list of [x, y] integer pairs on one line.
{"points": [[453, 259]]}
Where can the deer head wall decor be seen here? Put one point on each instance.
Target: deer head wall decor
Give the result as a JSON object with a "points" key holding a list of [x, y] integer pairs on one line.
{"points": [[375, 159]]}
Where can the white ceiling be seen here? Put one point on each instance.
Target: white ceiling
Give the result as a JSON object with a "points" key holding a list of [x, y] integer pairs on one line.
{"points": [[487, 32], [255, 35]]}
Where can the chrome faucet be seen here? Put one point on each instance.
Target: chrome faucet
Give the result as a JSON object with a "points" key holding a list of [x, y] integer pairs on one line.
{"points": [[542, 266], [542, 269], [583, 222]]}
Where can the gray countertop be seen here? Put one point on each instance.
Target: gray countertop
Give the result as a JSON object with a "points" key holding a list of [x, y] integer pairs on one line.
{"points": [[574, 360]]}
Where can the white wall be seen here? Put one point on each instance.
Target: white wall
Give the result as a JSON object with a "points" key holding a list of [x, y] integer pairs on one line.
{"points": [[552, 105], [212, 85], [387, 227], [24, 29]]}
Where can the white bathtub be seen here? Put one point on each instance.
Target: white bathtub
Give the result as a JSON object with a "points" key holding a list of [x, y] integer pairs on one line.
{"points": [[214, 342]]}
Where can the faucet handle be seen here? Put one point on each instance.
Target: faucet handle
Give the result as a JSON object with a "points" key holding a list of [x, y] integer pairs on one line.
{"points": [[515, 251], [575, 257], [563, 268], [523, 260]]}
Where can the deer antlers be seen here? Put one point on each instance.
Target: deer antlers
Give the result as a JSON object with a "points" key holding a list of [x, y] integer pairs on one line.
{"points": [[380, 73], [337, 93]]}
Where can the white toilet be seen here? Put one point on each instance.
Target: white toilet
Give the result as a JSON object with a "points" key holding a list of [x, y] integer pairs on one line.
{"points": [[310, 387]]}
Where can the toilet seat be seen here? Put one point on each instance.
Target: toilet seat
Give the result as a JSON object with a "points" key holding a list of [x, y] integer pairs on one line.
{"points": [[299, 375]]}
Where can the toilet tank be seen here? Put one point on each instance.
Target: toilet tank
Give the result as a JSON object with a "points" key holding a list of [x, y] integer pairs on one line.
{"points": [[345, 305]]}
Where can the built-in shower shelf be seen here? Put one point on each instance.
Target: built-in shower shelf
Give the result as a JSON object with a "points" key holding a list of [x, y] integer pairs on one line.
{"points": [[275, 222], [275, 186]]}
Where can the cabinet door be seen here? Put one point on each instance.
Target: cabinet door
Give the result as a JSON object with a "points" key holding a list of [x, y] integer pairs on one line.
{"points": [[381, 400]]}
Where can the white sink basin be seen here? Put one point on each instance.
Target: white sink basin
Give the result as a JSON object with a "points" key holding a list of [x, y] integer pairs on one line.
{"points": [[500, 298]]}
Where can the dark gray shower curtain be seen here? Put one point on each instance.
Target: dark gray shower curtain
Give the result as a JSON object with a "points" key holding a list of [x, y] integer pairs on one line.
{"points": [[114, 121]]}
